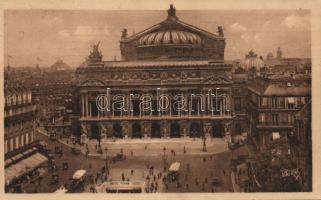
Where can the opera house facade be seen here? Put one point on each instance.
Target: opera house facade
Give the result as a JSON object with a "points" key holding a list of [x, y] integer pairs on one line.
{"points": [[172, 81]]}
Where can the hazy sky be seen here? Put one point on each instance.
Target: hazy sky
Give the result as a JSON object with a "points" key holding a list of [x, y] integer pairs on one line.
{"points": [[53, 34]]}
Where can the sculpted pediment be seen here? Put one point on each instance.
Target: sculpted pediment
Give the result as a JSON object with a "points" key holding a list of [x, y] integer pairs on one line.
{"points": [[216, 80], [92, 82]]}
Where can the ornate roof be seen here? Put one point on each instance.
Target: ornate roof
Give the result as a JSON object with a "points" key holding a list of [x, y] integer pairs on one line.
{"points": [[170, 37], [173, 38], [252, 61]]}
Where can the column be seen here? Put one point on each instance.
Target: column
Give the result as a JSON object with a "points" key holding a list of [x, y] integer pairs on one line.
{"points": [[109, 130], [164, 129], [227, 134], [207, 127], [184, 128], [147, 129], [82, 105], [86, 105], [125, 129]]}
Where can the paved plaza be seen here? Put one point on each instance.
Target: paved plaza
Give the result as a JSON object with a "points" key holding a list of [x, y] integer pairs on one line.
{"points": [[144, 153]]}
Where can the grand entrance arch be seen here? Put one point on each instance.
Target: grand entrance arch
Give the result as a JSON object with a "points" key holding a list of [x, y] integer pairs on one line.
{"points": [[136, 131], [217, 129], [175, 130], [95, 133], [195, 130], [155, 130], [118, 132]]}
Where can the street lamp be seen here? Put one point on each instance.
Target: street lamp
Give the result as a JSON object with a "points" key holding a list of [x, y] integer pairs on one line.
{"points": [[204, 143], [164, 150], [106, 150]]}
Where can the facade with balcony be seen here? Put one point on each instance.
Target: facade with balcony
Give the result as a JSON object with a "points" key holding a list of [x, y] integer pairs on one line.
{"points": [[273, 103]]}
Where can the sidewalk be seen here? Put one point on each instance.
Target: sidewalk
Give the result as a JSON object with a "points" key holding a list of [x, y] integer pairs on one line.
{"points": [[149, 146], [239, 178]]}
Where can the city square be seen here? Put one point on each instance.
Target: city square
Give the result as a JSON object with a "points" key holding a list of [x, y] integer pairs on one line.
{"points": [[172, 108]]}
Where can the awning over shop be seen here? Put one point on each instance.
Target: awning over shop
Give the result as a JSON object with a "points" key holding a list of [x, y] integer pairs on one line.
{"points": [[174, 167], [79, 174], [275, 135], [24, 166], [290, 100]]}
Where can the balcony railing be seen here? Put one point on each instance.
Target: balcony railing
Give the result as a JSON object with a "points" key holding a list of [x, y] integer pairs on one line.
{"points": [[271, 123], [153, 117], [19, 111]]}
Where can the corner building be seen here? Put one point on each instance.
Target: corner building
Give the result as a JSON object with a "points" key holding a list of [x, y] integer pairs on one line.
{"points": [[170, 58]]}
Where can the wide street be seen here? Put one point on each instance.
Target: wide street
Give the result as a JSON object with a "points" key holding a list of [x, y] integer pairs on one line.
{"points": [[148, 152]]}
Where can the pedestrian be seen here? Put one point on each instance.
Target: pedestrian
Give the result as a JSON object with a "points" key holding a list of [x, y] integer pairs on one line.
{"points": [[155, 189], [184, 150], [123, 176], [188, 167], [132, 172], [145, 147], [131, 153]]}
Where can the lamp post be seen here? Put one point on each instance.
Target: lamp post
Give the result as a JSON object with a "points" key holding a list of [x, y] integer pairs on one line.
{"points": [[204, 143], [164, 158], [106, 150]]}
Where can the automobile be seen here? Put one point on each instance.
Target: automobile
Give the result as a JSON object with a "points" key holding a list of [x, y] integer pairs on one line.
{"points": [[121, 187], [119, 157], [54, 179], [173, 171], [42, 144], [75, 151], [58, 150], [50, 156], [215, 181], [53, 136], [78, 181]]}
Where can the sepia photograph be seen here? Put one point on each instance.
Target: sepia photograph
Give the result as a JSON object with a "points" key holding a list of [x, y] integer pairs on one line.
{"points": [[161, 100]]}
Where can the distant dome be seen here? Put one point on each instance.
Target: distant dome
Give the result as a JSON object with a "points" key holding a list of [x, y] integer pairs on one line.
{"points": [[269, 56], [251, 60], [60, 66], [170, 37]]}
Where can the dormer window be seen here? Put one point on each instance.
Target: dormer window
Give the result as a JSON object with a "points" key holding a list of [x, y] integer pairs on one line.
{"points": [[9, 100]]}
